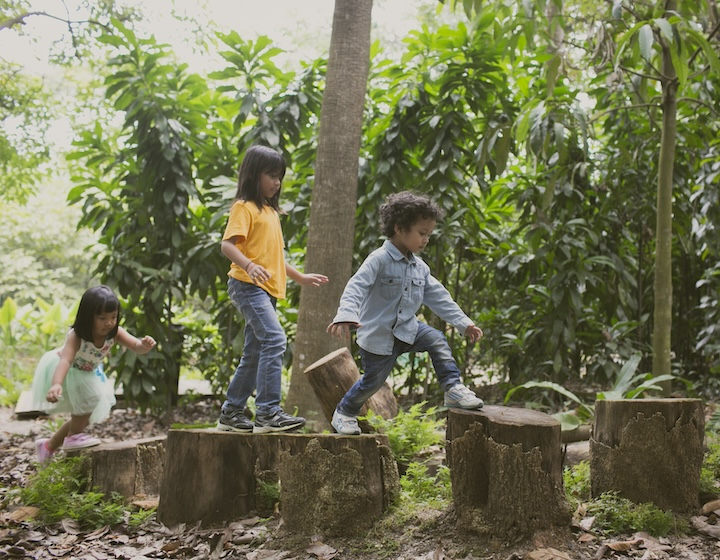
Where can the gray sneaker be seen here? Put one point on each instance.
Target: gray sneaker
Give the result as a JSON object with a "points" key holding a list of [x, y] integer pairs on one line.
{"points": [[234, 422], [462, 397], [278, 421]]}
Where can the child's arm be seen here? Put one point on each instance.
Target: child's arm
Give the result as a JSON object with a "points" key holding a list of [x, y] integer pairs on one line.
{"points": [[258, 273], [138, 345], [312, 279], [67, 355]]}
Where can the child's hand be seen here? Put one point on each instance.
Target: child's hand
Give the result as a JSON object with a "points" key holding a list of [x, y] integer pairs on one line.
{"points": [[55, 393], [258, 273], [474, 333], [313, 279], [342, 330], [147, 342]]}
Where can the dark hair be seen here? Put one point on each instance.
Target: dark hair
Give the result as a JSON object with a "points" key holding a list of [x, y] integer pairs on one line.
{"points": [[404, 209], [259, 159], [93, 302]]}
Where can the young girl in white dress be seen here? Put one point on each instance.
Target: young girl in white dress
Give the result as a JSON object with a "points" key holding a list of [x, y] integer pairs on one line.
{"points": [[67, 379]]}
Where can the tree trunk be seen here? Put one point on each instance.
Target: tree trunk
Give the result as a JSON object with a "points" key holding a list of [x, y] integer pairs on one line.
{"points": [[649, 450], [334, 200], [662, 322]]}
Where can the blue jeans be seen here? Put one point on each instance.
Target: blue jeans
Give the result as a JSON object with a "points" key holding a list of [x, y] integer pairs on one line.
{"points": [[377, 368], [260, 366]]}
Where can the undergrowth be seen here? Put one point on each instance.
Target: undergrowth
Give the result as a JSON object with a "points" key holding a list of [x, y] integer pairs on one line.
{"points": [[59, 491]]}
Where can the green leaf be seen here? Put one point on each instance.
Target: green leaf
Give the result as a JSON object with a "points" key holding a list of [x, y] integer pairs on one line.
{"points": [[646, 40]]}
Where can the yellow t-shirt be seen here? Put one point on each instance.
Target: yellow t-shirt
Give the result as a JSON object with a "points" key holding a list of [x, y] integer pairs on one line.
{"points": [[258, 236]]}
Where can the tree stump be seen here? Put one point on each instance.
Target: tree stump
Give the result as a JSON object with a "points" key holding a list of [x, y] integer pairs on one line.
{"points": [[333, 375], [129, 468], [335, 486], [649, 450], [215, 477], [506, 470]]}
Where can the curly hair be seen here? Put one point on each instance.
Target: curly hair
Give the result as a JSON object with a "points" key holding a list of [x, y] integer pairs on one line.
{"points": [[404, 209]]}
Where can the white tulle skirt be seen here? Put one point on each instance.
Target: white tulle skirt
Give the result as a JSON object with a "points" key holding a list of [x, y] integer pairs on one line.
{"points": [[84, 392]]}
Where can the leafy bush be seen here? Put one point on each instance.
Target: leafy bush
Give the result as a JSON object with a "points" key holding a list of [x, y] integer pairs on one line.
{"points": [[617, 515], [58, 491], [577, 483], [421, 487], [410, 432]]}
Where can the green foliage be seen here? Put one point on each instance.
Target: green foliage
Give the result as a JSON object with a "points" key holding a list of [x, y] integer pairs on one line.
{"points": [[59, 491], [576, 480], [26, 332], [420, 487], [138, 518], [628, 385], [710, 471], [616, 515], [410, 432]]}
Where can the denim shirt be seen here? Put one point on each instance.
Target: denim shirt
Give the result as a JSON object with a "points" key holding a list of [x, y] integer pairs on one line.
{"points": [[385, 294]]}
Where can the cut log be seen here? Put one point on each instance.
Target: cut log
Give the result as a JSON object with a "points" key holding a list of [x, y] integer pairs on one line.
{"points": [[649, 450], [333, 375], [215, 477], [506, 470], [129, 468]]}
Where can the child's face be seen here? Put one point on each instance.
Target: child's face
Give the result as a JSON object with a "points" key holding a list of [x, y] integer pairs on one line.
{"points": [[414, 239], [104, 323], [269, 184]]}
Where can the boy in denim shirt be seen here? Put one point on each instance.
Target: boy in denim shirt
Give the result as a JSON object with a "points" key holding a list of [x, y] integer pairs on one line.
{"points": [[381, 301]]}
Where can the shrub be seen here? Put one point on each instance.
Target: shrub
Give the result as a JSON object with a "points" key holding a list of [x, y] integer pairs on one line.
{"points": [[58, 491], [410, 432]]}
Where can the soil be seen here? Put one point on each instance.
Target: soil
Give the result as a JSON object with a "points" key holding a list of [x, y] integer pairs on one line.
{"points": [[422, 535]]}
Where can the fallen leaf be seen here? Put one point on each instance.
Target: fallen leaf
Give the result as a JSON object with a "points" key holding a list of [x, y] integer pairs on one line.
{"points": [[548, 554], [322, 551], [24, 513], [623, 546], [587, 523], [267, 555], [709, 507], [146, 504], [71, 526], [710, 530], [585, 538]]}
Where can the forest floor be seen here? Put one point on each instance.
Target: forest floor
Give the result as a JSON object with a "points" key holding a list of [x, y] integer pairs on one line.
{"points": [[427, 535]]}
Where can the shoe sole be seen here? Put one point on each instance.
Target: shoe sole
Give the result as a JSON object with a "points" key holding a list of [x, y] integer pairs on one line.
{"points": [[268, 429], [458, 405], [342, 433], [82, 446], [226, 428]]}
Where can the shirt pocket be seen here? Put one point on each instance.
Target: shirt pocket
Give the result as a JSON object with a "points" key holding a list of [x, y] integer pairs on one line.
{"points": [[417, 288], [390, 286]]}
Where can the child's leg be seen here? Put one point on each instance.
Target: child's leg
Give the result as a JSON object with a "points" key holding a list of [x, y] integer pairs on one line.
{"points": [[376, 369], [265, 342], [433, 342], [75, 425]]}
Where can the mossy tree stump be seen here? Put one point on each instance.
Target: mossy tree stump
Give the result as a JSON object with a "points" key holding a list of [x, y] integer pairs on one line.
{"points": [[649, 450], [215, 477], [506, 470], [333, 375]]}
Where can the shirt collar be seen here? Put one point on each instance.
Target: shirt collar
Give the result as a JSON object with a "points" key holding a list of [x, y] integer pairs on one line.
{"points": [[396, 254]]}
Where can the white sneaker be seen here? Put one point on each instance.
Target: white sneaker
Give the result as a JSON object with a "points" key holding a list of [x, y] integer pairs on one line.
{"points": [[462, 397], [345, 425]]}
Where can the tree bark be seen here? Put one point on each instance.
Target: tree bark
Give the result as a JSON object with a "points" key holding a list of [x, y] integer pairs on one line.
{"points": [[334, 200], [649, 450], [506, 471]]}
